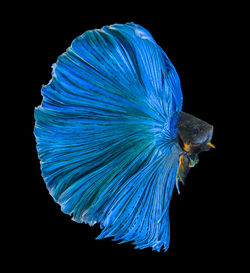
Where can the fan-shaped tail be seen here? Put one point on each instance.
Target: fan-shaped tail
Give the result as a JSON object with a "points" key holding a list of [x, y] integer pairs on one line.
{"points": [[106, 133]]}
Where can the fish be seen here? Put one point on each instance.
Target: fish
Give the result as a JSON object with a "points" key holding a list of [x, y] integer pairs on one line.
{"points": [[112, 138]]}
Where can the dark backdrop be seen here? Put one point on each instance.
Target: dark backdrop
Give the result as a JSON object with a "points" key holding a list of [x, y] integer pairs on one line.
{"points": [[194, 39]]}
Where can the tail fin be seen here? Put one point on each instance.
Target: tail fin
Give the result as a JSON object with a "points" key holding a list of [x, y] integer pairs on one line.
{"points": [[106, 133]]}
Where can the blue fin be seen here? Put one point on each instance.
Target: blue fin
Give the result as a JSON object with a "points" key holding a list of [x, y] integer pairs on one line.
{"points": [[106, 133]]}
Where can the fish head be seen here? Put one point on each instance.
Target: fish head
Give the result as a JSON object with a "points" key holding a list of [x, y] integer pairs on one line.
{"points": [[194, 134]]}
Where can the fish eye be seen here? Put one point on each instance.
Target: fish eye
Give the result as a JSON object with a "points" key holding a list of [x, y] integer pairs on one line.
{"points": [[195, 130]]}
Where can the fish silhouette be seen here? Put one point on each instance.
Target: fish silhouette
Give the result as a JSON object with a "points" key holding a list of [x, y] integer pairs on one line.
{"points": [[111, 135]]}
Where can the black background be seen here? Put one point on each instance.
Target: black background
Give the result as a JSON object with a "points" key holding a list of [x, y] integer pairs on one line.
{"points": [[195, 40]]}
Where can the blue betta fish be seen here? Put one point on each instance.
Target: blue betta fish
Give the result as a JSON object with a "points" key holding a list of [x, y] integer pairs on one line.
{"points": [[111, 135]]}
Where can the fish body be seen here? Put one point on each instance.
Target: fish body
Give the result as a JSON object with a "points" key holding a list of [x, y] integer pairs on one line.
{"points": [[111, 135]]}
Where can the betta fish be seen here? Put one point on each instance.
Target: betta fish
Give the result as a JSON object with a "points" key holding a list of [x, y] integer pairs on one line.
{"points": [[111, 135]]}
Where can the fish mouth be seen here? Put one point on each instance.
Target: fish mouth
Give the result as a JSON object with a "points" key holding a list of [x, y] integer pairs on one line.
{"points": [[210, 133], [209, 138]]}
